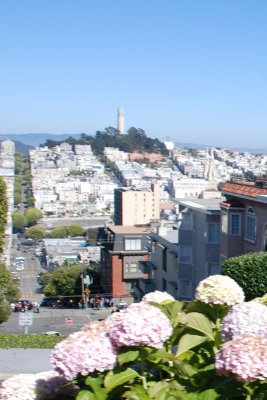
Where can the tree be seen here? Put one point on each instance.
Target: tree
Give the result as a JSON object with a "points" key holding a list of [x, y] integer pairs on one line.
{"points": [[30, 200], [60, 232], [249, 271], [36, 232], [8, 292], [75, 230], [19, 220], [17, 198], [33, 215], [3, 212], [64, 281]]}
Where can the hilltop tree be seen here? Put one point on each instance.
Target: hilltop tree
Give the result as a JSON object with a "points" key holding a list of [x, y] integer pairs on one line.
{"points": [[134, 140]]}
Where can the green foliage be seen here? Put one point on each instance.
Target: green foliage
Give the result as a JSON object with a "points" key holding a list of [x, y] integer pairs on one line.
{"points": [[19, 220], [33, 215], [27, 178], [4, 311], [3, 212], [8, 288], [30, 200], [60, 232], [17, 198], [10, 341], [35, 232], [249, 271], [135, 140], [75, 230], [8, 292], [64, 281]]}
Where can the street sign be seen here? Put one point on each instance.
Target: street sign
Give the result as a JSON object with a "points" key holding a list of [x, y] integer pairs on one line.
{"points": [[87, 291], [69, 321], [25, 319]]}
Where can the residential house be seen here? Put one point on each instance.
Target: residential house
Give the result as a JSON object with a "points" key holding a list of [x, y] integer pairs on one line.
{"points": [[243, 218], [122, 249]]}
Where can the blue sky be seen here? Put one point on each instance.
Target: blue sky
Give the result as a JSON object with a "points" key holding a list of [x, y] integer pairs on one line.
{"points": [[188, 70]]}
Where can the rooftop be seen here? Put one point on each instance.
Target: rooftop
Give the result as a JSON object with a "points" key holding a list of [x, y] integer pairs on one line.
{"points": [[129, 229], [244, 189]]}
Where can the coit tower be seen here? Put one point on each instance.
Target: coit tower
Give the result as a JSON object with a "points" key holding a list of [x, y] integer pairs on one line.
{"points": [[121, 120]]}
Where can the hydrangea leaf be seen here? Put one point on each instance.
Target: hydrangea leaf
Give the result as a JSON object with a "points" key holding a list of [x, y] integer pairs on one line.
{"points": [[113, 379], [137, 392], [188, 341], [85, 395], [199, 323], [96, 384], [128, 356]]}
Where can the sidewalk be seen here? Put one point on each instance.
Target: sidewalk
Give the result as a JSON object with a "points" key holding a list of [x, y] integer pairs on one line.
{"points": [[23, 361]]}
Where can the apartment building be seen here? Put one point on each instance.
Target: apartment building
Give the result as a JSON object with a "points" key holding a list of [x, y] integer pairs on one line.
{"points": [[136, 207], [179, 263], [243, 218], [121, 250], [161, 269]]}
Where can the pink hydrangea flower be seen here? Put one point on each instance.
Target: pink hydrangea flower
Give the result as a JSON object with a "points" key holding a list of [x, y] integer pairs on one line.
{"points": [[219, 289], [158, 297], [245, 357], [40, 386], [84, 352], [250, 317], [140, 324]]}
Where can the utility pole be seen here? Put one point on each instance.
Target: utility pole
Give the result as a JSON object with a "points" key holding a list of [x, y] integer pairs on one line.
{"points": [[84, 298]]}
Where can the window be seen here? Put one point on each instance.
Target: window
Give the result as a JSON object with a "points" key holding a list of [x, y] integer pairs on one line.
{"points": [[250, 224], [164, 259], [185, 288], [187, 221], [224, 222], [214, 269], [213, 233], [235, 224], [129, 285], [132, 244], [186, 254], [130, 267]]}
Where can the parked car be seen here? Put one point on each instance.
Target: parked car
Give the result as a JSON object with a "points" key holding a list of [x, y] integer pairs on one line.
{"points": [[52, 333]]}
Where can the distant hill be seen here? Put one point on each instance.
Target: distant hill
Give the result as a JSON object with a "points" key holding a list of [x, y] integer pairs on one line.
{"points": [[19, 146], [25, 142], [35, 139]]}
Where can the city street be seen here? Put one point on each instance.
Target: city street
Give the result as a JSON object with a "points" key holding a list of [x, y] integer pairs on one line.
{"points": [[63, 320]]}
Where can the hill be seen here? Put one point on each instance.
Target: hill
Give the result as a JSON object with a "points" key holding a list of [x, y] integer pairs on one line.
{"points": [[35, 139]]}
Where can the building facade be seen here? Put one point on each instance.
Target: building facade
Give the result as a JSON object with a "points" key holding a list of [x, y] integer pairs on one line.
{"points": [[136, 207], [121, 250], [243, 218]]}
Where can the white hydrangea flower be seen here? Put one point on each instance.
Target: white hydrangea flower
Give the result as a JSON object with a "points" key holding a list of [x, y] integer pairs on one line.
{"points": [[158, 297], [219, 289], [40, 386], [250, 317]]}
